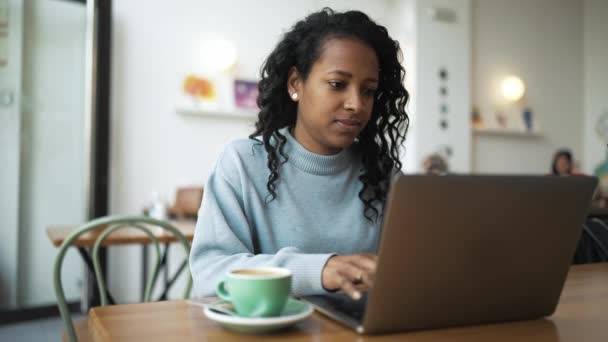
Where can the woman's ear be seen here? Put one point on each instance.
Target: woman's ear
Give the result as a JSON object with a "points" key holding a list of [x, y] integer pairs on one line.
{"points": [[294, 84]]}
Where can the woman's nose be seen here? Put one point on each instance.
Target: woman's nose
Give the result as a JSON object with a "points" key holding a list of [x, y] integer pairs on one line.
{"points": [[354, 101]]}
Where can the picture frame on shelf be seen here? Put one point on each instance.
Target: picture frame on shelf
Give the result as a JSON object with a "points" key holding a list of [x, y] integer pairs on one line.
{"points": [[199, 93], [246, 94], [218, 97]]}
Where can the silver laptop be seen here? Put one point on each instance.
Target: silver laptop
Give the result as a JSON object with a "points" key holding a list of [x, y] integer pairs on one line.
{"points": [[460, 250]]}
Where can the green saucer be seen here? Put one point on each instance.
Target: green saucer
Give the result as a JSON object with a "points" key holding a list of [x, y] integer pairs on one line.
{"points": [[294, 312]]}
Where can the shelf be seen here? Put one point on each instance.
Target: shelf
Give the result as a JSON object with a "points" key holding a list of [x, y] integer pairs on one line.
{"points": [[237, 114], [506, 133]]}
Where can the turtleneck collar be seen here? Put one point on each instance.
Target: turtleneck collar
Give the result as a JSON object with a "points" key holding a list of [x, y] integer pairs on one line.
{"points": [[314, 163]]}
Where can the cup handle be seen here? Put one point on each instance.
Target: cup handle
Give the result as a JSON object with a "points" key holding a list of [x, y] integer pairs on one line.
{"points": [[221, 291]]}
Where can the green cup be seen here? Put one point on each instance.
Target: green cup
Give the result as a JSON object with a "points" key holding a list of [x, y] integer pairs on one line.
{"points": [[256, 292]]}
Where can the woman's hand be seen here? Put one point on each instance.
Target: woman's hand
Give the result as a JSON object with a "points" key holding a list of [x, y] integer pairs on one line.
{"points": [[350, 274]]}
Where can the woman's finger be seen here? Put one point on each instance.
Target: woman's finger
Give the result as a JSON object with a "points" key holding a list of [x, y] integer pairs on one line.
{"points": [[365, 261], [348, 287], [367, 269], [357, 275], [362, 287], [358, 270], [353, 272]]}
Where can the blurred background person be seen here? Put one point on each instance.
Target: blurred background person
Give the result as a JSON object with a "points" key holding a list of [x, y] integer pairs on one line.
{"points": [[563, 164]]}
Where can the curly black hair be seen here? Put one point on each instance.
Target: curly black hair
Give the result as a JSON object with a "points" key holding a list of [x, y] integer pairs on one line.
{"points": [[379, 142]]}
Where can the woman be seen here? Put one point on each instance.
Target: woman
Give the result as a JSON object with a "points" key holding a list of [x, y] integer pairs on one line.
{"points": [[307, 189]]}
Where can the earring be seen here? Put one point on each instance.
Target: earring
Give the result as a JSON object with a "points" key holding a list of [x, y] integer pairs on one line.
{"points": [[294, 96]]}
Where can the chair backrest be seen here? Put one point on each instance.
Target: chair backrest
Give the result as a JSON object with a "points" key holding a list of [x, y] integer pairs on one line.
{"points": [[593, 243], [598, 230], [111, 224], [187, 201]]}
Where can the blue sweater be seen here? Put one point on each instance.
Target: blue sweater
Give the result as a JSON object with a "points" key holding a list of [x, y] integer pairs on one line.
{"points": [[317, 213]]}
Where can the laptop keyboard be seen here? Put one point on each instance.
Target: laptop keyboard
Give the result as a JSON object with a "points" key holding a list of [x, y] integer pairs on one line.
{"points": [[342, 304]]}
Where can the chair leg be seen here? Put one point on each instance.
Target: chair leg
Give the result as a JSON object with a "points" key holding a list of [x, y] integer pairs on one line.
{"points": [[144, 271], [86, 257], [171, 281], [165, 268]]}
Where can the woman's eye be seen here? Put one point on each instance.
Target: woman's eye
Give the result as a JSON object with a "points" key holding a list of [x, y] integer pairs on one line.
{"points": [[370, 91], [336, 84]]}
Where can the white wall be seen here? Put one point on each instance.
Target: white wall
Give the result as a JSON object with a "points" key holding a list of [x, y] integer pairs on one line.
{"points": [[595, 72], [401, 21], [153, 148], [428, 45], [541, 41], [443, 44]]}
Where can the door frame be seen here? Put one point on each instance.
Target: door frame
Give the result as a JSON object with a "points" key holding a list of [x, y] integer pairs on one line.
{"points": [[97, 132], [10, 91], [97, 125]]}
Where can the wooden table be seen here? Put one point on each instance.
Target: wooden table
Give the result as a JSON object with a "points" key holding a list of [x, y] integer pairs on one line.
{"points": [[121, 237], [126, 236], [582, 315]]}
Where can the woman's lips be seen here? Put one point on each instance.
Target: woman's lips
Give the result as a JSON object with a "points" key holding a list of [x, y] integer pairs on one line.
{"points": [[348, 124]]}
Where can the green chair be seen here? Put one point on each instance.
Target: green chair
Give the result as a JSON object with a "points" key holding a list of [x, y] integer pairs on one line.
{"points": [[112, 223]]}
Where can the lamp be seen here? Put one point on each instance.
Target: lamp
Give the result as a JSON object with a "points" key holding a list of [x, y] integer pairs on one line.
{"points": [[515, 114], [512, 88], [219, 55]]}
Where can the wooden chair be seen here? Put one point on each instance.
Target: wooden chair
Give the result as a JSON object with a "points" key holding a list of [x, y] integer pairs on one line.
{"points": [[187, 202], [110, 224], [593, 243], [598, 231]]}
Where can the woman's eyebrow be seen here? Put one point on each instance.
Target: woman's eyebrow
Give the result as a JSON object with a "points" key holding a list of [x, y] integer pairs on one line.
{"points": [[349, 75]]}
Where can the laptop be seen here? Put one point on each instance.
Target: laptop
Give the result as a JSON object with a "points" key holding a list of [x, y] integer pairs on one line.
{"points": [[462, 250]]}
